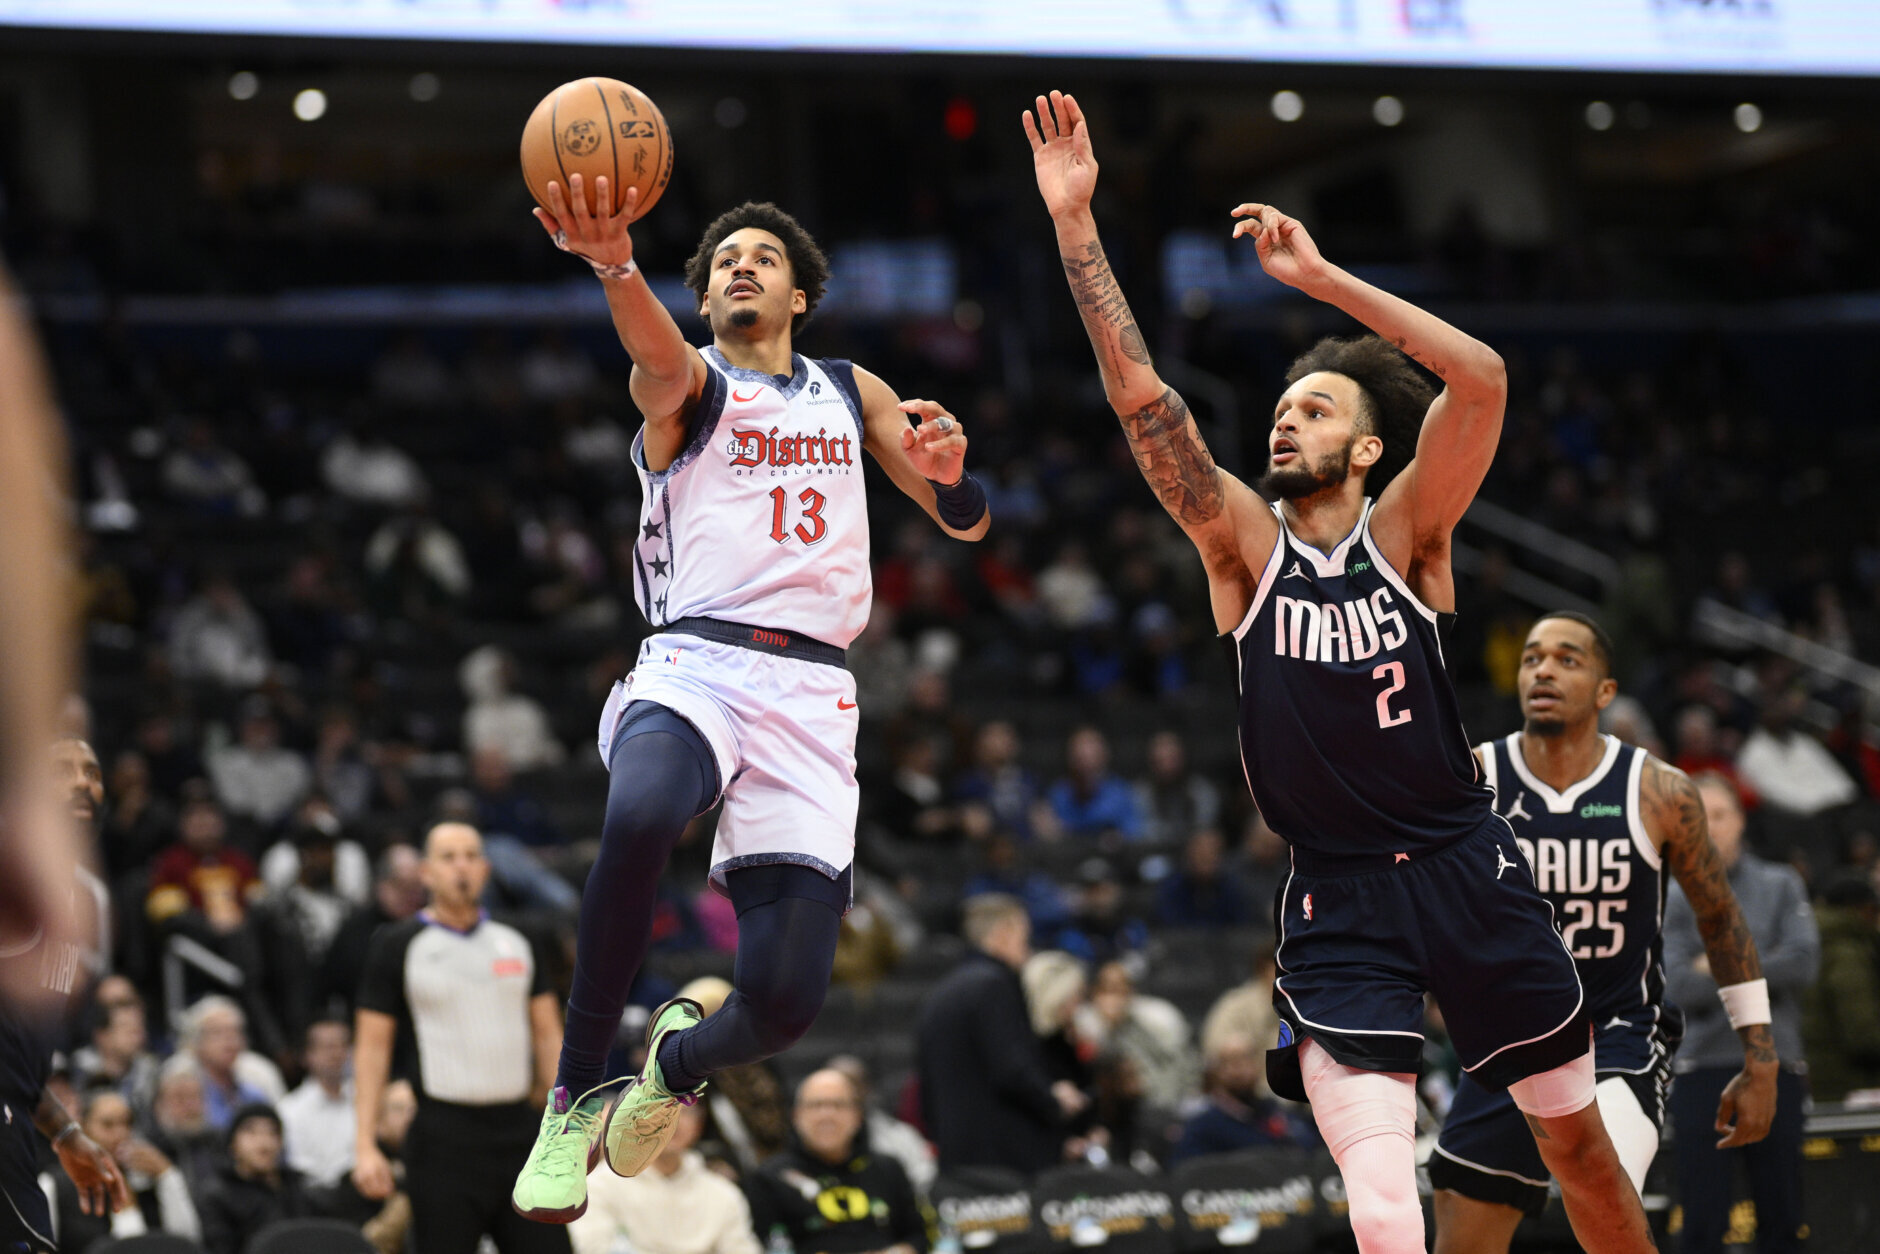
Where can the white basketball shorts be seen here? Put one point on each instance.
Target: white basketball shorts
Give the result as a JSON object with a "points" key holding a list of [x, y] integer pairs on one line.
{"points": [[782, 730]]}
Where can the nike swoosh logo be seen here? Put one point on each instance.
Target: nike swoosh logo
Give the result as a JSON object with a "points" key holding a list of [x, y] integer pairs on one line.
{"points": [[844, 705], [746, 399]]}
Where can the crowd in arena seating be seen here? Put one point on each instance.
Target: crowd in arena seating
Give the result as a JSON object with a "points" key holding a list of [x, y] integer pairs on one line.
{"points": [[328, 604]]}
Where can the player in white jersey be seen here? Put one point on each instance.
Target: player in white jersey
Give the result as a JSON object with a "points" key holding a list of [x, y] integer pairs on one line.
{"points": [[751, 563]]}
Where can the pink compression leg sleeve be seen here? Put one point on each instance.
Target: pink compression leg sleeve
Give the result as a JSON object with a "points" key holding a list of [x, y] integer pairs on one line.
{"points": [[1368, 1120]]}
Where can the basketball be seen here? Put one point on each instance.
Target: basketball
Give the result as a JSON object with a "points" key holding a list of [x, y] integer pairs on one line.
{"points": [[594, 127]]}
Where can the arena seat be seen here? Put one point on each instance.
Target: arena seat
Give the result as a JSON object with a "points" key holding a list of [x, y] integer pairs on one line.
{"points": [[988, 1209], [310, 1236], [1268, 1196], [1081, 1208], [152, 1243]]}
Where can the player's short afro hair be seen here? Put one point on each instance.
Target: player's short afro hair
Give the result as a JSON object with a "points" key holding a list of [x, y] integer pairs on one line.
{"points": [[1396, 397], [809, 269]]}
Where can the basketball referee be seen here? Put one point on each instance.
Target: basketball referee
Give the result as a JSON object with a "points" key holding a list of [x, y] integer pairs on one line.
{"points": [[464, 1006]]}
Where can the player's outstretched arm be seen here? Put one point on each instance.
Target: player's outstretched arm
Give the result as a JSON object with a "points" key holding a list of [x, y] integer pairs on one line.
{"points": [[1674, 818], [926, 460], [1229, 525], [668, 373], [1458, 440]]}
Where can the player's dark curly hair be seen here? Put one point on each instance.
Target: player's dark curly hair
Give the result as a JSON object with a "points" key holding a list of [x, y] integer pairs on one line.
{"points": [[809, 269], [1396, 396]]}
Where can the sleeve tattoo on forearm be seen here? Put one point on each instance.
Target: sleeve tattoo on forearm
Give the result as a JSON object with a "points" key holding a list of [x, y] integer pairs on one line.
{"points": [[1168, 450], [1100, 301], [1674, 799]]}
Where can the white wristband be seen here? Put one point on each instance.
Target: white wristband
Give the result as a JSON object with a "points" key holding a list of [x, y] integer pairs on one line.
{"points": [[625, 271], [1747, 1004]]}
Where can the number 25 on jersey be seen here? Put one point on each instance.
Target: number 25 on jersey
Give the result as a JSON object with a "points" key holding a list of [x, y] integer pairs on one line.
{"points": [[811, 529]]}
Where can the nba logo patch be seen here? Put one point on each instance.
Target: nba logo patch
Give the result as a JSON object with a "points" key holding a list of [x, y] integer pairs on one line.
{"points": [[672, 658], [1308, 907]]}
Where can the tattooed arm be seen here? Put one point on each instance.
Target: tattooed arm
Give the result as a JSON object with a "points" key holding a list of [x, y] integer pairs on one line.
{"points": [[1674, 819], [1232, 527]]}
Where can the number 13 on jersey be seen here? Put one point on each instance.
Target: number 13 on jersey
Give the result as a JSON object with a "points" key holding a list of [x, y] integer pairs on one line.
{"points": [[811, 529]]}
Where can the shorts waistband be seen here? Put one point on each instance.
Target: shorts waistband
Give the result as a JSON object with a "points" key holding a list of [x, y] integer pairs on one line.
{"points": [[1311, 862], [762, 639]]}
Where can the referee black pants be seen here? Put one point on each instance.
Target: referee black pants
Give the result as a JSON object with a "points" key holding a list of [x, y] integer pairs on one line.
{"points": [[460, 1164]]}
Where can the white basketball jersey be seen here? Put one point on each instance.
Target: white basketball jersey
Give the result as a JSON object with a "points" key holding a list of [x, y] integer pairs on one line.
{"points": [[761, 519]]}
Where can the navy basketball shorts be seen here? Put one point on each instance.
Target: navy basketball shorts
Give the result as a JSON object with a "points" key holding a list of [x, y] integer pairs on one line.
{"points": [[1486, 1151], [1362, 939], [25, 1215]]}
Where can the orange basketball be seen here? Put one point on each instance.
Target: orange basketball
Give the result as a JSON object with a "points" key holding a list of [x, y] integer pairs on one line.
{"points": [[596, 126]]}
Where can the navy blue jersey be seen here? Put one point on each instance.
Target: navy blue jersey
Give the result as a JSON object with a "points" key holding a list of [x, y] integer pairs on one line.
{"points": [[1349, 729], [1597, 867]]}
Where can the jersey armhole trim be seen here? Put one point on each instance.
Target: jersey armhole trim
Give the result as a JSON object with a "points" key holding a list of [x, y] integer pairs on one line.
{"points": [[1635, 816], [711, 406], [841, 372], [1266, 581], [1389, 572], [1491, 774]]}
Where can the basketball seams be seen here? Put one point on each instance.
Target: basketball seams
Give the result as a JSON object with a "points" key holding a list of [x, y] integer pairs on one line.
{"points": [[613, 144], [554, 137]]}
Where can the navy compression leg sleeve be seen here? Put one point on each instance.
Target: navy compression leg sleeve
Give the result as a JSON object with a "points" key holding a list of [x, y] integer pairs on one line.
{"points": [[662, 773]]}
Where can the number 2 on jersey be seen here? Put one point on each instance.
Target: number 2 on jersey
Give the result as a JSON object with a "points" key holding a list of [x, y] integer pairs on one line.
{"points": [[1392, 671], [813, 502]]}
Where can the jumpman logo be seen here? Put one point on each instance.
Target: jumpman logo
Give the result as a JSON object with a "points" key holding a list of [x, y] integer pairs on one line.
{"points": [[1517, 810], [1501, 862], [1294, 573]]}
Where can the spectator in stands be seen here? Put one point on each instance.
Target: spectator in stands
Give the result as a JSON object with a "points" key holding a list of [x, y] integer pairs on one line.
{"points": [[1203, 891], [999, 781], [1174, 801], [308, 621], [644, 1209], [1841, 1013], [912, 804], [1002, 870], [118, 1057], [1055, 984], [881, 663], [353, 774], [415, 568], [179, 1127], [158, 1190], [140, 822], [1737, 589], [501, 719], [1701, 748], [1149, 1031], [1240, 1112], [201, 887], [1072, 594], [362, 465], [214, 1044], [1245, 1010], [397, 893], [316, 831], [1787, 766], [162, 737], [829, 1190], [317, 1124], [1090, 801], [985, 1097], [387, 1222], [258, 777], [1775, 908], [554, 368], [217, 637], [254, 1189], [886, 1134], [406, 375], [294, 927], [1099, 931], [206, 475]]}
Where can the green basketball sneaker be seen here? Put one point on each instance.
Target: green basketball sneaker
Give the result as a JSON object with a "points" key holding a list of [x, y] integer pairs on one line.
{"points": [[640, 1123], [552, 1188]]}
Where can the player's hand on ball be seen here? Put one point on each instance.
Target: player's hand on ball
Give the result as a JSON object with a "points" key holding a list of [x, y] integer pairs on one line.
{"points": [[575, 227], [1286, 251], [372, 1175], [1060, 154], [937, 446]]}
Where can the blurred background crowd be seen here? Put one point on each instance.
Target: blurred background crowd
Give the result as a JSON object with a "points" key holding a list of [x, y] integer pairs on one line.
{"points": [[356, 557]]}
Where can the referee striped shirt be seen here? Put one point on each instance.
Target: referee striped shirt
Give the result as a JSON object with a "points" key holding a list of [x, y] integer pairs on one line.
{"points": [[461, 1000]]}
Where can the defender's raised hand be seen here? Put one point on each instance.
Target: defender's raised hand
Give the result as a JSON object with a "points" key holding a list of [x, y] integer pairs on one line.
{"points": [[1060, 154], [598, 238], [1286, 250]]}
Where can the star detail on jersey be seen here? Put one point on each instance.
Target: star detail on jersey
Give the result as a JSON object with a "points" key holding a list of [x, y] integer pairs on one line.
{"points": [[1294, 573], [1519, 810], [651, 528], [1501, 862], [659, 565], [1402, 857], [659, 605]]}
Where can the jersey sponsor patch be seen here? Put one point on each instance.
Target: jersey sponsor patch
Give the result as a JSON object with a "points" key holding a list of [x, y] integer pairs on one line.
{"points": [[506, 967]]}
